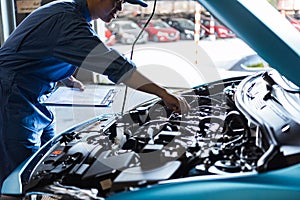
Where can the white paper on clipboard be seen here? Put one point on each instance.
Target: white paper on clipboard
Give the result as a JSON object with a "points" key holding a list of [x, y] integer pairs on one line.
{"points": [[96, 97]]}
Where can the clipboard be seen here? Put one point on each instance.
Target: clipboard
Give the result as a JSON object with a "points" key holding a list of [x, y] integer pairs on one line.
{"points": [[94, 97]]}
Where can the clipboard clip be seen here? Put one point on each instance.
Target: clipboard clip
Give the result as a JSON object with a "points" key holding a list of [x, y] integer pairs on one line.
{"points": [[108, 99]]}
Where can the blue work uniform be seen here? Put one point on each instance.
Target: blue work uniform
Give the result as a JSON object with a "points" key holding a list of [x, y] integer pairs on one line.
{"points": [[45, 48]]}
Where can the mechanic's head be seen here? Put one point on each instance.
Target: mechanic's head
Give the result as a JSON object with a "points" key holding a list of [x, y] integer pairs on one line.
{"points": [[106, 10]]}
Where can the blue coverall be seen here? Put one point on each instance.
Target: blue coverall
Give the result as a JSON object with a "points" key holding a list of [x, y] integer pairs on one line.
{"points": [[45, 48]]}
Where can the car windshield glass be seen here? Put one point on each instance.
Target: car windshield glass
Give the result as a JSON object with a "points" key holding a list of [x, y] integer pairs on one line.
{"points": [[187, 24], [217, 23], [129, 26], [160, 24]]}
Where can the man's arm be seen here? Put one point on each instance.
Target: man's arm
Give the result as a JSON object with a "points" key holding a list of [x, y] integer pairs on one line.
{"points": [[139, 82]]}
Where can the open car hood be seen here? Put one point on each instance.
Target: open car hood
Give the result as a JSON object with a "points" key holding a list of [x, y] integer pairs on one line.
{"points": [[264, 29]]}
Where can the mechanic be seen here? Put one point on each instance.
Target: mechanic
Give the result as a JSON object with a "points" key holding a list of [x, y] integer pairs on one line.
{"points": [[47, 47]]}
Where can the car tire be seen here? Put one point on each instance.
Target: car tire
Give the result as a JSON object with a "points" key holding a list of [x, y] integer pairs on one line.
{"points": [[155, 38]]}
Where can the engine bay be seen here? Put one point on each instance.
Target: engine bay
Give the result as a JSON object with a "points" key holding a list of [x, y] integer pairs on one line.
{"points": [[235, 126]]}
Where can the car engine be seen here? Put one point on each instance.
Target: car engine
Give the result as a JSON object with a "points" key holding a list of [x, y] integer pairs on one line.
{"points": [[234, 126]]}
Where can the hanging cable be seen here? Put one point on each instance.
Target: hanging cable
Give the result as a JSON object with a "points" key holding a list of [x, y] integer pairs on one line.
{"points": [[131, 53]]}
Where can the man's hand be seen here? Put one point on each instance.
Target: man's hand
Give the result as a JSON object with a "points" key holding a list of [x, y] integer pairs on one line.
{"points": [[176, 103], [138, 81], [73, 83]]}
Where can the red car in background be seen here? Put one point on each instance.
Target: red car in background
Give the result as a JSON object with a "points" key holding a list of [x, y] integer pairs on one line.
{"points": [[295, 22], [110, 38], [160, 31], [220, 31]]}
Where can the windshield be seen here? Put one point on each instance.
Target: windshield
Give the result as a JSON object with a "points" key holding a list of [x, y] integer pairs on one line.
{"points": [[160, 24], [187, 24], [129, 26]]}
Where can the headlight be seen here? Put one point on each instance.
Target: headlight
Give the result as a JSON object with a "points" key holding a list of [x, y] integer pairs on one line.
{"points": [[188, 32], [223, 31]]}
